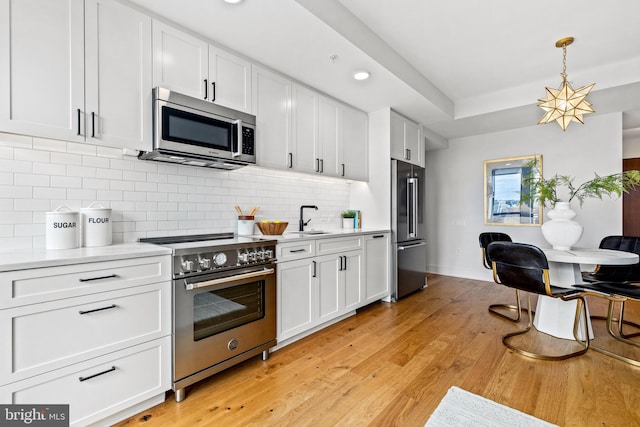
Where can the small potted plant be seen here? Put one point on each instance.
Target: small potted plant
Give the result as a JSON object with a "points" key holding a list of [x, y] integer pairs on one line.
{"points": [[348, 218]]}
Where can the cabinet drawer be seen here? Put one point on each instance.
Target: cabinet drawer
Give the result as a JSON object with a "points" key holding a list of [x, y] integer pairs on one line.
{"points": [[52, 335], [338, 244], [295, 250], [102, 386], [22, 287]]}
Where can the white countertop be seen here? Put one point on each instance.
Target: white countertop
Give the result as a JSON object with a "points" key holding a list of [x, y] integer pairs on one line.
{"points": [[290, 236], [22, 259]]}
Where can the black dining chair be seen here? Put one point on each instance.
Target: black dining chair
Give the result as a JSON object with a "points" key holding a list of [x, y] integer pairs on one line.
{"points": [[623, 274], [615, 293], [525, 267], [485, 239]]}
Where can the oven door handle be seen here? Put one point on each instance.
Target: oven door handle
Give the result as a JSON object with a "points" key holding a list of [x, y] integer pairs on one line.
{"points": [[251, 275]]}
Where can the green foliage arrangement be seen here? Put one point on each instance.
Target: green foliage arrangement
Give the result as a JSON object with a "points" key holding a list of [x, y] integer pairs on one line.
{"points": [[546, 190], [348, 214]]}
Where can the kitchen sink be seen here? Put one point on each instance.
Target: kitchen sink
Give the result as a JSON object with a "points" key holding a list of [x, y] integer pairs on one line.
{"points": [[308, 233]]}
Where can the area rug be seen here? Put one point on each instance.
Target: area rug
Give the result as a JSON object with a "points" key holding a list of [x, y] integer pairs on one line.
{"points": [[461, 408]]}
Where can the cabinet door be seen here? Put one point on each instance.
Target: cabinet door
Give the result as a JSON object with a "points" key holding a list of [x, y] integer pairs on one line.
{"points": [[42, 68], [412, 142], [376, 279], [304, 111], [118, 75], [272, 107], [397, 137], [327, 152], [352, 276], [180, 61], [329, 283], [230, 80], [296, 297], [354, 144]]}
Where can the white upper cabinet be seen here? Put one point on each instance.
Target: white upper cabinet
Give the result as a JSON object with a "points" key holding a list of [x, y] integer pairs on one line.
{"points": [[230, 80], [42, 68], [328, 137], [304, 111], [189, 65], [406, 140], [56, 48], [118, 99], [272, 107], [180, 61], [353, 156]]}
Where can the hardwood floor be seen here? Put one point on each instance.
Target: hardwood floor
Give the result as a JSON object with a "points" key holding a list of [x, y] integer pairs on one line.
{"points": [[391, 364]]}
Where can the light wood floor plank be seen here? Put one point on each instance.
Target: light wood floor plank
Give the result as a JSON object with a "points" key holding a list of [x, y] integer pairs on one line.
{"points": [[391, 364]]}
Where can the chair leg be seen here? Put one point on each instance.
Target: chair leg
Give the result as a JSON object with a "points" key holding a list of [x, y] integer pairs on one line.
{"points": [[610, 329], [517, 308], [629, 323], [580, 309]]}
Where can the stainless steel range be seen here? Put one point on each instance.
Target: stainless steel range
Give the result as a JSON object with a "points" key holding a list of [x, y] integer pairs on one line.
{"points": [[224, 303]]}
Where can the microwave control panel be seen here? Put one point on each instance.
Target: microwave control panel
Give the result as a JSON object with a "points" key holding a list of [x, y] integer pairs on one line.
{"points": [[248, 141]]}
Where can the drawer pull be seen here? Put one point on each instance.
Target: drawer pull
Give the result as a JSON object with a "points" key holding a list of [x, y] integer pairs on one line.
{"points": [[98, 309], [111, 276], [377, 236], [295, 251], [113, 368]]}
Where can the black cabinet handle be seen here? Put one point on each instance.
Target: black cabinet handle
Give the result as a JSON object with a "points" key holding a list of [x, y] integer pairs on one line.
{"points": [[78, 122], [110, 276], [109, 307], [93, 124], [206, 88], [345, 262], [295, 251], [317, 165], [314, 269], [290, 160], [213, 84], [113, 368], [321, 165], [377, 236], [343, 169]]}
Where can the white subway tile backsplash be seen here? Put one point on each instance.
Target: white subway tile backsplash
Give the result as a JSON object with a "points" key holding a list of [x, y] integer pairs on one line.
{"points": [[147, 198]]}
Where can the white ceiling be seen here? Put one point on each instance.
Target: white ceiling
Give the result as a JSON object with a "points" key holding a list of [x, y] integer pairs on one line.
{"points": [[460, 67]]}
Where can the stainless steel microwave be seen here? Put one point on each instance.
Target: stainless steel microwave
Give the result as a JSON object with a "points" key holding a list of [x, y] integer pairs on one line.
{"points": [[196, 132]]}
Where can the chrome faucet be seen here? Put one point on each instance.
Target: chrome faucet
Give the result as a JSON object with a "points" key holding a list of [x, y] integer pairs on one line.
{"points": [[302, 222]]}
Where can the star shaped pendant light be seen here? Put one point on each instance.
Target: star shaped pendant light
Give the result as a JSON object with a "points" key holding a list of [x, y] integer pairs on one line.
{"points": [[566, 104]]}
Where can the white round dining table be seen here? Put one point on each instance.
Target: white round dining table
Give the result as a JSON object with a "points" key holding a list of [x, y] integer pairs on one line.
{"points": [[556, 317]]}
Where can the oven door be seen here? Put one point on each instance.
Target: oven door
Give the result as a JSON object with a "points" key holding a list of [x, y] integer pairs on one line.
{"points": [[220, 316]]}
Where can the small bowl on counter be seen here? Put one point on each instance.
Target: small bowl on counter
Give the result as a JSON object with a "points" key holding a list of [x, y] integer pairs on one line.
{"points": [[272, 228]]}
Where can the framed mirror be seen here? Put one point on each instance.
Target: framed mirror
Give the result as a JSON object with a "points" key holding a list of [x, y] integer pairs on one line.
{"points": [[505, 182]]}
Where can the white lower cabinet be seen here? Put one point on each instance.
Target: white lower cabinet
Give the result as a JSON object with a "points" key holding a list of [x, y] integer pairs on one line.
{"points": [[376, 283], [100, 341], [323, 285]]}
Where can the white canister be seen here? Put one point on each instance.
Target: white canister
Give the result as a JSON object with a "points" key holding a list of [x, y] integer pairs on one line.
{"points": [[245, 225], [62, 229], [96, 225]]}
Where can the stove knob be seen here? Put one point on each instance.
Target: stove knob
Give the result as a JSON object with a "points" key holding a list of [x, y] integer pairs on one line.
{"points": [[187, 265], [251, 256], [268, 254], [205, 263], [243, 258], [260, 256]]}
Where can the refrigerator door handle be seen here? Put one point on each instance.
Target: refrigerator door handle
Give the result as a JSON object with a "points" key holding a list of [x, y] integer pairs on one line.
{"points": [[402, 248], [412, 206]]}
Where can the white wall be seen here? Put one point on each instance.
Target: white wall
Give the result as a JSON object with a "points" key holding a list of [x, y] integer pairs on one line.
{"points": [[455, 187], [148, 198]]}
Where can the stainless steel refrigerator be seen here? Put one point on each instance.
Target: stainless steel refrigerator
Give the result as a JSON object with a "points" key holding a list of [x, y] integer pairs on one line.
{"points": [[408, 229]]}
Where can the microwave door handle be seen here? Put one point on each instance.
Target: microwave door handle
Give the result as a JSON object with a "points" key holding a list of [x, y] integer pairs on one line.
{"points": [[238, 124]]}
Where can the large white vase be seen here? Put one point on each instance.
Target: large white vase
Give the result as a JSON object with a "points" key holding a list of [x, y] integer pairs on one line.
{"points": [[562, 232]]}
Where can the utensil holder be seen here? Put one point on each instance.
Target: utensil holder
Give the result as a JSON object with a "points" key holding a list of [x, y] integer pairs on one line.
{"points": [[245, 225]]}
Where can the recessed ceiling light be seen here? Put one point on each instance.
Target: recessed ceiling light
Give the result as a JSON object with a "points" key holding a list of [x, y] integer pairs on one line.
{"points": [[233, 1], [361, 75]]}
